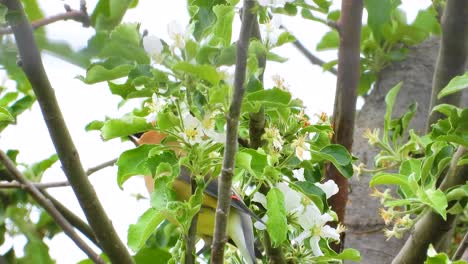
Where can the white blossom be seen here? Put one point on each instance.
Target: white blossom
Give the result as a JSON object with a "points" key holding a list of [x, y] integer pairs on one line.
{"points": [[314, 224], [177, 34], [273, 135], [280, 82], [299, 174], [301, 148], [154, 47], [155, 106], [192, 130], [208, 125], [329, 188], [272, 30], [196, 131]]}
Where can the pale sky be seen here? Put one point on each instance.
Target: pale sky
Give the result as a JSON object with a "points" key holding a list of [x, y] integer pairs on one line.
{"points": [[82, 103]]}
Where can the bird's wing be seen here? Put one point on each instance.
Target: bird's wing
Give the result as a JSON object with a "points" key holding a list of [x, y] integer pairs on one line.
{"points": [[212, 190]]}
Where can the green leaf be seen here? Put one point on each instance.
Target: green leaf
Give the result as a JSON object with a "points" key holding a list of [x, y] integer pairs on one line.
{"points": [[162, 193], [94, 125], [202, 16], [390, 178], [274, 95], [111, 69], [446, 109], [331, 40], [338, 154], [365, 82], [436, 199], [124, 42], [8, 98], [127, 125], [109, 13], [284, 38], [349, 254], [440, 258], [158, 161], [252, 160], [458, 193], [36, 170], [426, 21], [379, 14], [390, 101], [140, 232], [222, 29], [276, 224], [457, 84], [133, 162], [205, 72], [37, 252], [21, 105], [5, 116], [152, 256], [316, 194]]}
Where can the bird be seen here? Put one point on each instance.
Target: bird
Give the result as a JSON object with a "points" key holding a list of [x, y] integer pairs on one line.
{"points": [[239, 229]]}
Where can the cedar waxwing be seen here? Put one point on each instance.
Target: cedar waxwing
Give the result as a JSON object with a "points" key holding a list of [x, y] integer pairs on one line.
{"points": [[239, 229]]}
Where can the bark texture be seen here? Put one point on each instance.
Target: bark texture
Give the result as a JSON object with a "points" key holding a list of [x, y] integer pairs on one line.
{"points": [[363, 222]]}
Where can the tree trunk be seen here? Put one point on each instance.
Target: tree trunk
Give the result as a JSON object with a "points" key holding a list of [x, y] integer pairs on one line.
{"points": [[363, 222]]}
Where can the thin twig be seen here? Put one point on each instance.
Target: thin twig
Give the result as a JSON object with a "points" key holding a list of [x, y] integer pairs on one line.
{"points": [[461, 248], [77, 15], [232, 120], [311, 57], [50, 208], [34, 70], [73, 219], [101, 166], [46, 185]]}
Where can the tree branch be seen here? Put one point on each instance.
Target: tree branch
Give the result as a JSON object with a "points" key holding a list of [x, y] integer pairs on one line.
{"points": [[46, 185], [49, 207], [73, 219], [461, 248], [68, 155], [453, 54], [431, 227], [257, 120], [311, 57], [232, 120], [345, 99], [191, 239], [77, 15]]}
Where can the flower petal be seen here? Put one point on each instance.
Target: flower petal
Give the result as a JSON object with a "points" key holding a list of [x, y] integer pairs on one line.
{"points": [[299, 174], [329, 232], [329, 187], [292, 199], [260, 198], [314, 245]]}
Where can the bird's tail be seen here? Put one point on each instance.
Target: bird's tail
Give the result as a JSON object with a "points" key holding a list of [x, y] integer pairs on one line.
{"points": [[244, 237]]}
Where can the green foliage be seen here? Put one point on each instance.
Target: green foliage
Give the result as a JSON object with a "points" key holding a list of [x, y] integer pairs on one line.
{"points": [[108, 13], [276, 224], [184, 87], [439, 258], [422, 162], [139, 233], [386, 37], [455, 85]]}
